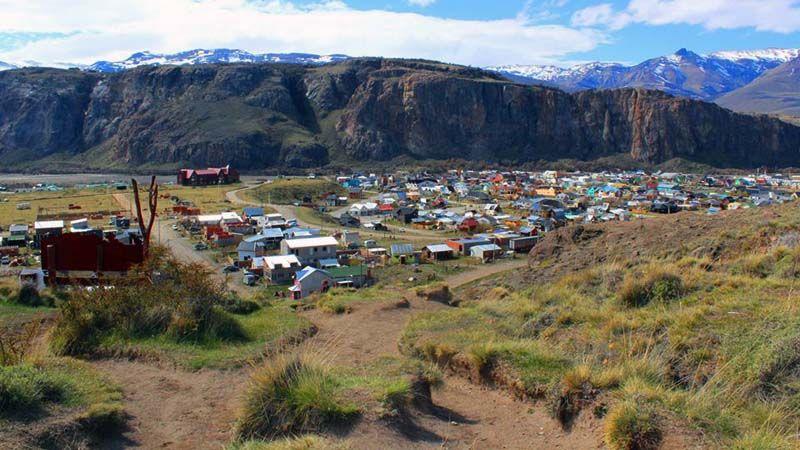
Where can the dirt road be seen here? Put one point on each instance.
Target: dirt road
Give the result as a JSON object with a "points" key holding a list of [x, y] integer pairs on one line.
{"points": [[182, 248]]}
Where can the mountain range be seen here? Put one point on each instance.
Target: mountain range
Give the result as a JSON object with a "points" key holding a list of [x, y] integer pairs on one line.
{"points": [[684, 73], [357, 111], [190, 57], [717, 76]]}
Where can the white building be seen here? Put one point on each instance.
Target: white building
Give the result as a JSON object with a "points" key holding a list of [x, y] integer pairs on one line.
{"points": [[310, 250]]}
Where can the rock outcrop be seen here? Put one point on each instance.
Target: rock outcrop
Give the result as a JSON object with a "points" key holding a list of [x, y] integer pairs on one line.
{"points": [[277, 115]]}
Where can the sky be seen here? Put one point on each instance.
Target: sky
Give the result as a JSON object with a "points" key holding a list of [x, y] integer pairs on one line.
{"points": [[471, 32]]}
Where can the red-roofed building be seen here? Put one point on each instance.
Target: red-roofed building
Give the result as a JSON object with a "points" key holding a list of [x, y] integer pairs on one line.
{"points": [[204, 177]]}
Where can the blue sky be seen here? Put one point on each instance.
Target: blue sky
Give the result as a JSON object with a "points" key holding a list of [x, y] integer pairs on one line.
{"points": [[474, 32]]}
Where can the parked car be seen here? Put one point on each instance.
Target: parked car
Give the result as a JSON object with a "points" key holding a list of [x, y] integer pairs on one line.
{"points": [[175, 226], [200, 246], [5, 260]]}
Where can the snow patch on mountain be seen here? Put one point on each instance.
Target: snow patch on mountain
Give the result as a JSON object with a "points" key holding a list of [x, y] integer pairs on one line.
{"points": [[6, 66], [215, 56]]}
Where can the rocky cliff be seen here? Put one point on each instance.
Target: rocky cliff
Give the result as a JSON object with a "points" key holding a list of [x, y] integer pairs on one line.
{"points": [[274, 115]]}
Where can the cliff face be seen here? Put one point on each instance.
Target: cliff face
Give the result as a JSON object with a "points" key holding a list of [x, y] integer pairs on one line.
{"points": [[256, 116]]}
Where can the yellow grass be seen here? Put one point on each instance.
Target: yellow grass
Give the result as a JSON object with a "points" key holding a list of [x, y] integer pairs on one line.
{"points": [[99, 200]]}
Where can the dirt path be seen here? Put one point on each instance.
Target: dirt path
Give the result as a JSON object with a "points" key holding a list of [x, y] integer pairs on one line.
{"points": [[465, 416], [173, 409], [485, 270]]}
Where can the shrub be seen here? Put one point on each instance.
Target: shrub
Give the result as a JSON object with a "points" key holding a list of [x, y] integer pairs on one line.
{"points": [[631, 426], [162, 297], [25, 388], [29, 295], [236, 305], [657, 286], [292, 394]]}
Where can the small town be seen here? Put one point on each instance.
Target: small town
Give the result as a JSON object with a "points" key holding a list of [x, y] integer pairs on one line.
{"points": [[296, 236]]}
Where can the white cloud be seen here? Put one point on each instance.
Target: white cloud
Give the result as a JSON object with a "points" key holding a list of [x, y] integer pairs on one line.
{"points": [[781, 16], [422, 3], [113, 29]]}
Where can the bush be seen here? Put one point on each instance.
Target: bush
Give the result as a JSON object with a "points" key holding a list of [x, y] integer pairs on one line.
{"points": [[25, 388], [162, 297], [631, 426], [662, 287], [236, 305], [292, 394], [29, 295]]}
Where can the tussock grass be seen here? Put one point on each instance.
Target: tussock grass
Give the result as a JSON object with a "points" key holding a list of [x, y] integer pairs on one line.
{"points": [[293, 394], [26, 388], [631, 426]]}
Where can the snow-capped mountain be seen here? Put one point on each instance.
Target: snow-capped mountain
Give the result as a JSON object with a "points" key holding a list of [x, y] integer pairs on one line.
{"points": [[201, 56], [6, 66], [686, 73]]}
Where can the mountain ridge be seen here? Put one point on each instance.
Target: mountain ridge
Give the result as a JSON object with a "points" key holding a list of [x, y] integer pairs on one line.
{"points": [[265, 115], [703, 77]]}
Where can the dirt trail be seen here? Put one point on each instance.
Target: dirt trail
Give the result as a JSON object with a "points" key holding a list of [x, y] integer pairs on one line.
{"points": [[174, 409], [465, 416]]}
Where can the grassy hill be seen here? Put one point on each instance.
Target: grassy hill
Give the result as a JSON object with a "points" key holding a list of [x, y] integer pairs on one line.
{"points": [[680, 331]]}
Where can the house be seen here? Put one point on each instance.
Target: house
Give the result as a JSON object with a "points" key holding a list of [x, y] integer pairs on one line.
{"points": [[310, 280], [280, 269], [252, 247], [350, 276], [79, 226], [230, 217], [350, 238], [364, 209], [300, 233], [211, 175], [486, 252], [18, 229], [437, 252], [209, 220], [272, 236], [523, 244], [310, 250], [47, 228], [239, 227], [398, 250], [346, 220], [272, 221], [463, 246], [252, 214]]}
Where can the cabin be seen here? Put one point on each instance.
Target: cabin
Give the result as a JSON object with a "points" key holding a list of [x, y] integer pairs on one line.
{"points": [[437, 252], [463, 246], [209, 176], [486, 252]]}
